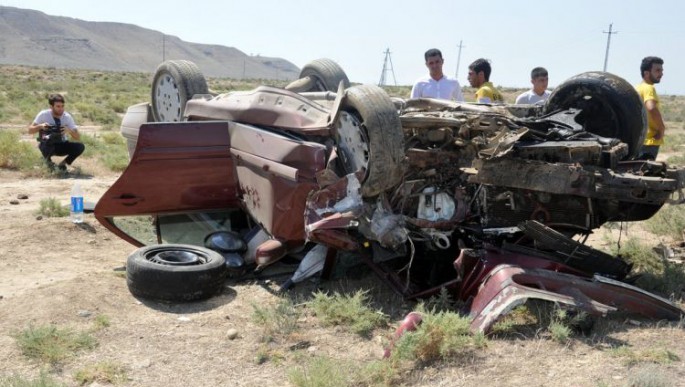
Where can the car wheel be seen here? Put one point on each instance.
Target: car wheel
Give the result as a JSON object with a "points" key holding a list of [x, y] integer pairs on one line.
{"points": [[175, 82], [175, 272], [325, 74], [373, 140], [610, 107]]}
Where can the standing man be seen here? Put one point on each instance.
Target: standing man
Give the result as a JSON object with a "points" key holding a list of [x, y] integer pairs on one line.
{"points": [[53, 126], [539, 93], [436, 84], [479, 77], [651, 69]]}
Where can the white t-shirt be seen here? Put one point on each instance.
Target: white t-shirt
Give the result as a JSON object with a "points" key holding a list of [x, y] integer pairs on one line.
{"points": [[46, 116], [530, 98], [445, 88]]}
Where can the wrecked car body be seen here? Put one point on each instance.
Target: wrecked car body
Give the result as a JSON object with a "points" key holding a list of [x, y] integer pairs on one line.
{"points": [[482, 200]]}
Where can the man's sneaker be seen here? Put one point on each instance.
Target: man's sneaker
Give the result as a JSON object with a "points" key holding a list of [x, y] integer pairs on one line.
{"points": [[50, 165]]}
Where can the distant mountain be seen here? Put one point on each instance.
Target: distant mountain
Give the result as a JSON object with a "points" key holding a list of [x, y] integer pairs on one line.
{"points": [[29, 37]]}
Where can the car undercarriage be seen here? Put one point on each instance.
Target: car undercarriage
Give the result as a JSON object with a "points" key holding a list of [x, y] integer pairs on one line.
{"points": [[492, 202]]}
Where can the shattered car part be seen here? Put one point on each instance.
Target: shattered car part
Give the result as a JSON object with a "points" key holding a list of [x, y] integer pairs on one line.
{"points": [[407, 184], [508, 286]]}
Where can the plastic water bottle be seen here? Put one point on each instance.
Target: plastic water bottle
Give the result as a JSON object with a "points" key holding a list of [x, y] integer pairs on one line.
{"points": [[76, 204]]}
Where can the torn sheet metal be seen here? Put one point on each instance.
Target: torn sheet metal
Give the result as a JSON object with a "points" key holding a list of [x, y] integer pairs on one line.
{"points": [[508, 286]]}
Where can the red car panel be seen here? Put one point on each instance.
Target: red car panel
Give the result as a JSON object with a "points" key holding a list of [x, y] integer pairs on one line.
{"points": [[180, 167]]}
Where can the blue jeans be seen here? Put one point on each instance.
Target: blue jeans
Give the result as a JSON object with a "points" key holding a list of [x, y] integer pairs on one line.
{"points": [[648, 152], [70, 149]]}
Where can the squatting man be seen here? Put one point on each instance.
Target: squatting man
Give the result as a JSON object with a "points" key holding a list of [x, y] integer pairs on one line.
{"points": [[54, 127]]}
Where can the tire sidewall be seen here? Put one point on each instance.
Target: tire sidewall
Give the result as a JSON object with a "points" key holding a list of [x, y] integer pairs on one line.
{"points": [[188, 79], [610, 92], [327, 72], [149, 279], [383, 130]]}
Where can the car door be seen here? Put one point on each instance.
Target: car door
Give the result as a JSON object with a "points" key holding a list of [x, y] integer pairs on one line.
{"points": [[180, 184]]}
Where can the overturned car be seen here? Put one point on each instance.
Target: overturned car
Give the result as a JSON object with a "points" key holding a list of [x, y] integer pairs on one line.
{"points": [[488, 201]]}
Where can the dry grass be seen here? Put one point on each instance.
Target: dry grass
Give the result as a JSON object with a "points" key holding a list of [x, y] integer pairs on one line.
{"points": [[349, 311], [52, 208], [279, 320], [102, 372], [51, 344]]}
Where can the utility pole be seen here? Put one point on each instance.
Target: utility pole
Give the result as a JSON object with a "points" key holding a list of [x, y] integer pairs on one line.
{"points": [[163, 47], [456, 73], [387, 66], [606, 55]]}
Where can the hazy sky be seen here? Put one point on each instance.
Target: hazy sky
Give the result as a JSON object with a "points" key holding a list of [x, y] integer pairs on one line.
{"points": [[566, 37]]}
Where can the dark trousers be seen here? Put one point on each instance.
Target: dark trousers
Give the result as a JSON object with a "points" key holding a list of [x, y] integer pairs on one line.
{"points": [[70, 149]]}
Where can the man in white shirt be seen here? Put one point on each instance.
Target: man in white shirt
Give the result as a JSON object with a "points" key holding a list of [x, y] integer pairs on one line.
{"points": [[539, 93], [436, 84], [54, 126]]}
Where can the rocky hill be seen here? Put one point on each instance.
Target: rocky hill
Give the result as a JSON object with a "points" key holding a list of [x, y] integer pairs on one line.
{"points": [[29, 37]]}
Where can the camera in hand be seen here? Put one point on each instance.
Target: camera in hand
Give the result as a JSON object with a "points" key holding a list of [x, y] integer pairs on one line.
{"points": [[52, 134]]}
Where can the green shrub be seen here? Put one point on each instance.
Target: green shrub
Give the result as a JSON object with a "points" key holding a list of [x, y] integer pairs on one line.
{"points": [[650, 355], [101, 322], [559, 327], [108, 147], [351, 311], [440, 336], [656, 273], [322, 371], [52, 344], [649, 377], [103, 372], [52, 208], [643, 258], [278, 320], [44, 380], [676, 160], [670, 221], [17, 154]]}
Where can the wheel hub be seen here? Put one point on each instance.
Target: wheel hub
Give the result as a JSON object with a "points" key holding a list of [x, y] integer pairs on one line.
{"points": [[353, 145], [168, 101], [176, 258]]}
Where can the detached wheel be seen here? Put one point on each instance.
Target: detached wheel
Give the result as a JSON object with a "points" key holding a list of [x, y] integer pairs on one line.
{"points": [[321, 75], [610, 107], [175, 82], [370, 137], [175, 272]]}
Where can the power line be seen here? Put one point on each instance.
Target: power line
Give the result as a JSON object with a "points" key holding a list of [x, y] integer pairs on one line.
{"points": [[456, 73], [606, 55], [387, 66]]}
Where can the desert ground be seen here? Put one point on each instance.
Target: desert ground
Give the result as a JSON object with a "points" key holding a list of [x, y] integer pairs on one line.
{"points": [[54, 272]]}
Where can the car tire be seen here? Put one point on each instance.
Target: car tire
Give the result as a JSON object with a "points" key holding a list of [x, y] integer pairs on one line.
{"points": [[611, 107], [174, 83], [326, 75], [381, 128], [165, 272]]}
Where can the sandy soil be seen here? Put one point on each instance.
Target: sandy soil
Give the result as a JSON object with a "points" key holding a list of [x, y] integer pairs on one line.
{"points": [[55, 272]]}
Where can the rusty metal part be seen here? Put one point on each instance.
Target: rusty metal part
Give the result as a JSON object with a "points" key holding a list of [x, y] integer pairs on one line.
{"points": [[587, 181], [574, 253], [508, 286]]}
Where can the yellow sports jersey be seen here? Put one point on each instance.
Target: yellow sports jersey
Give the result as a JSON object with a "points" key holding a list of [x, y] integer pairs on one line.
{"points": [[488, 94], [648, 92]]}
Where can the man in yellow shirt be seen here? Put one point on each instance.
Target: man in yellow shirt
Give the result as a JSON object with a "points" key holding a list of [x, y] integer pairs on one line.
{"points": [[479, 77], [652, 69]]}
